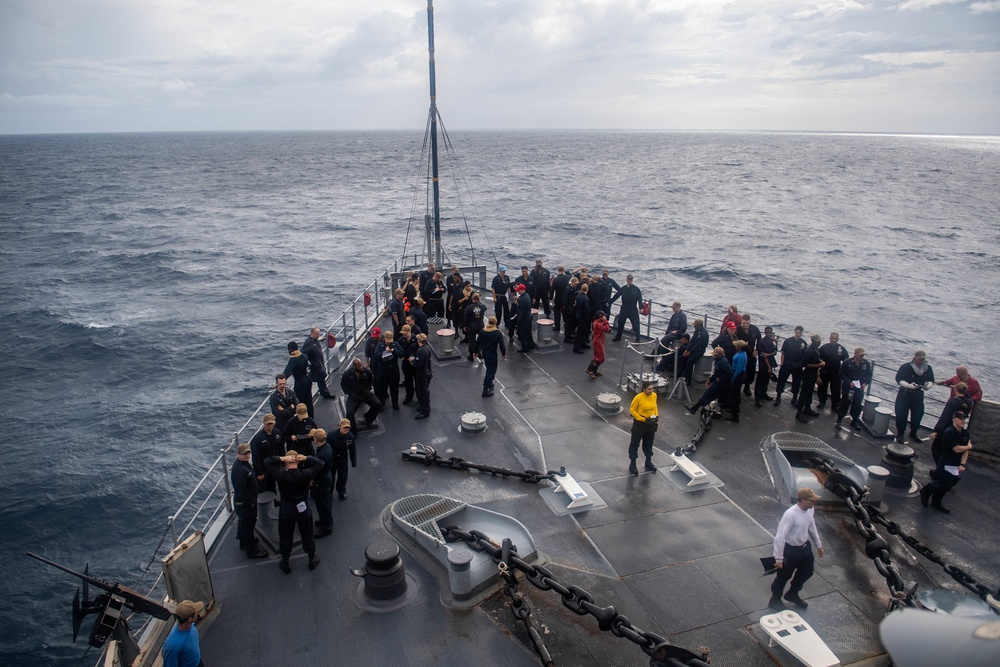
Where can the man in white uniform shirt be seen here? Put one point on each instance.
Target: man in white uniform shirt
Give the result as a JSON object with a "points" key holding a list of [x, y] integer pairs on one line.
{"points": [[793, 555]]}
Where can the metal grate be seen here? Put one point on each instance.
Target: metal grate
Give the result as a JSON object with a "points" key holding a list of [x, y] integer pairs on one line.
{"points": [[791, 441], [422, 512]]}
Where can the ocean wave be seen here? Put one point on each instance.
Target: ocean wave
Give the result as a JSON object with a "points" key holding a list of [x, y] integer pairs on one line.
{"points": [[148, 210], [717, 274]]}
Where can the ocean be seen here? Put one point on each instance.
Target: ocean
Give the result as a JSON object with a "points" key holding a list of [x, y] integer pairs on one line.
{"points": [[151, 282]]}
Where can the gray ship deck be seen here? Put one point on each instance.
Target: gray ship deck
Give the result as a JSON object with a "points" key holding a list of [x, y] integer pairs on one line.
{"points": [[683, 565]]}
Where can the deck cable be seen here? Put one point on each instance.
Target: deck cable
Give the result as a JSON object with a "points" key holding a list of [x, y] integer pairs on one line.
{"points": [[145, 570], [449, 151]]}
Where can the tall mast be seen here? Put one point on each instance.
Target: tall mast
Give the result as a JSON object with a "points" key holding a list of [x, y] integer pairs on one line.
{"points": [[434, 141]]}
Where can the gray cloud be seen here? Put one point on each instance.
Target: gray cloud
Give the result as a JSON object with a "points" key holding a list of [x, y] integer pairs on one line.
{"points": [[161, 64]]}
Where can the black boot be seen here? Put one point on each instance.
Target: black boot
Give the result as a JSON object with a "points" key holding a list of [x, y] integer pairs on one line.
{"points": [[796, 600], [632, 470], [649, 465], [776, 604]]}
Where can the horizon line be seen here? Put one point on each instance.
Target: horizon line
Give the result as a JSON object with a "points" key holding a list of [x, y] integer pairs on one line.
{"points": [[538, 129]]}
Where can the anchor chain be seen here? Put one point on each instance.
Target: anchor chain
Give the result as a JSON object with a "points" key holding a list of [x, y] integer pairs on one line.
{"points": [[877, 548], [574, 598], [705, 417], [518, 605], [987, 595], [428, 456]]}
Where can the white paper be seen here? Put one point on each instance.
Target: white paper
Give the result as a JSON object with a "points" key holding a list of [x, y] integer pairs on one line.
{"points": [[856, 384], [952, 469], [301, 507]]}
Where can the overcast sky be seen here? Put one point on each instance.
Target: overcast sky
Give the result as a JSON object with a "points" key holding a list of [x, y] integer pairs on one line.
{"points": [[920, 66]]}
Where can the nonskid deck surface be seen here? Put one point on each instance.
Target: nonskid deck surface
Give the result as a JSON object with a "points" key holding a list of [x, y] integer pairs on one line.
{"points": [[682, 565]]}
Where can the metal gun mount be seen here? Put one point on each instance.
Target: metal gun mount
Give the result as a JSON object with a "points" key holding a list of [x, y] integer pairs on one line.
{"points": [[111, 621]]}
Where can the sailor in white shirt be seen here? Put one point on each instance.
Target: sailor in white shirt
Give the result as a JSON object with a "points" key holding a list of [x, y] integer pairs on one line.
{"points": [[793, 555]]}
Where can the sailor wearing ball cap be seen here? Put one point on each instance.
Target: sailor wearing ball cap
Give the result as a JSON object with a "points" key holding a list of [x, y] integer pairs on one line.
{"points": [[524, 318], [955, 448], [295, 474], [343, 445], [371, 344], [855, 376], [244, 482], [726, 340], [793, 554], [181, 646]]}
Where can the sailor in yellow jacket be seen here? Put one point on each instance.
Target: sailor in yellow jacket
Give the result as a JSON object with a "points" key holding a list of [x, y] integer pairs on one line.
{"points": [[645, 418]]}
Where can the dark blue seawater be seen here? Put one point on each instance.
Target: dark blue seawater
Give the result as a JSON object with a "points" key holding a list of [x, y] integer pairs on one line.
{"points": [[151, 281]]}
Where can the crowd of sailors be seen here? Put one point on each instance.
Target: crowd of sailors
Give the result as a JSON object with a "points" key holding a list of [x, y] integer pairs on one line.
{"points": [[293, 456]]}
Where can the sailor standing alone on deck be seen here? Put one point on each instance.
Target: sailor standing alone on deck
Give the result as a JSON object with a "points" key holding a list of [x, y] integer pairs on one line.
{"points": [[645, 417], [793, 549]]}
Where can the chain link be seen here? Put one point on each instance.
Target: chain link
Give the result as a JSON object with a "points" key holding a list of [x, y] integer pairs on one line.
{"points": [[573, 597], [426, 455], [518, 605], [877, 547]]}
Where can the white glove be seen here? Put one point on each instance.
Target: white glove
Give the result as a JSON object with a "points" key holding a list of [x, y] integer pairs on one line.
{"points": [[928, 385], [907, 385]]}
